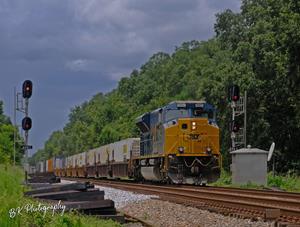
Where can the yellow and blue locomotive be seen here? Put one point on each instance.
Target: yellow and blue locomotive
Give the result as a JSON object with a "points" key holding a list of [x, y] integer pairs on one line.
{"points": [[179, 144]]}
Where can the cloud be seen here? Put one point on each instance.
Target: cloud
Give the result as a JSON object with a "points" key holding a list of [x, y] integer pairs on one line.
{"points": [[78, 65], [73, 49]]}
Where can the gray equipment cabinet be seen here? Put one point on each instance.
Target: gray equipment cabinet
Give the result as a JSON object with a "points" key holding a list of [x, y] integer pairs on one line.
{"points": [[249, 165]]}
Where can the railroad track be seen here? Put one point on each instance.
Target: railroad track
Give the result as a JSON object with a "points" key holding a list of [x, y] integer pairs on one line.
{"points": [[244, 203]]}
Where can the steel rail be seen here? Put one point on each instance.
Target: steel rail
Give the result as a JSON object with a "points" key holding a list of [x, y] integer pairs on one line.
{"points": [[291, 195], [254, 203]]}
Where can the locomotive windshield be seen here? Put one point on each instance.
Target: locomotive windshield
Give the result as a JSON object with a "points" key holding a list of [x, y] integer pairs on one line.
{"points": [[200, 112], [189, 110], [177, 113]]}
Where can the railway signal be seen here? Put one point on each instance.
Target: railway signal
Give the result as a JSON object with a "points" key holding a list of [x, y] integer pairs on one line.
{"points": [[235, 127], [26, 123], [22, 105], [234, 93], [238, 105], [27, 89]]}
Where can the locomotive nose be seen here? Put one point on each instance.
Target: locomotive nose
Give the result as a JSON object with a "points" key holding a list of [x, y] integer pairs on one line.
{"points": [[197, 136]]}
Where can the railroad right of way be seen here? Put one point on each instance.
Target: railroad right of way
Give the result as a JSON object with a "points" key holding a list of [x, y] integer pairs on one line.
{"points": [[280, 207]]}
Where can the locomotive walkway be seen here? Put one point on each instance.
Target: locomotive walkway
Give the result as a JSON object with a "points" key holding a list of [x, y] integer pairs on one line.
{"points": [[283, 207]]}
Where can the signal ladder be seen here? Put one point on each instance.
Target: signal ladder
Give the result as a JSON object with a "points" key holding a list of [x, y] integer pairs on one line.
{"points": [[238, 138]]}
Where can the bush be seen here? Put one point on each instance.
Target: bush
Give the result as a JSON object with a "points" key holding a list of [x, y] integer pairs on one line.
{"points": [[11, 196], [224, 180], [288, 182]]}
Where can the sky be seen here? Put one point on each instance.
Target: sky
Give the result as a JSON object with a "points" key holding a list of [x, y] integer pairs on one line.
{"points": [[74, 49]]}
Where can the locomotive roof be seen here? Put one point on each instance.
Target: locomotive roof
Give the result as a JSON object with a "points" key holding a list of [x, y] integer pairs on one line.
{"points": [[188, 101], [139, 118]]}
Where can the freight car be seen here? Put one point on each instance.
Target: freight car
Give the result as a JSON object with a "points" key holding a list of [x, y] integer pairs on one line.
{"points": [[50, 165], [59, 166], [179, 143], [41, 167], [112, 160]]}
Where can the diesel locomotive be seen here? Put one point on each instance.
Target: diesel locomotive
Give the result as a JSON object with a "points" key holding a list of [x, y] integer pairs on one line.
{"points": [[179, 143]]}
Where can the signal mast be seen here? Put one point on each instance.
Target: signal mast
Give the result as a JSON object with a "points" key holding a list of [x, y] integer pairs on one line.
{"points": [[238, 105], [26, 122]]}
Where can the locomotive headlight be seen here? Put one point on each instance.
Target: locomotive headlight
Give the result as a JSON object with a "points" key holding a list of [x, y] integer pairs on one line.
{"points": [[194, 125], [208, 150], [181, 149], [171, 157]]}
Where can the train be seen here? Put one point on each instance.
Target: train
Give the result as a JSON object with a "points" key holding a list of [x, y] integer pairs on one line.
{"points": [[178, 144]]}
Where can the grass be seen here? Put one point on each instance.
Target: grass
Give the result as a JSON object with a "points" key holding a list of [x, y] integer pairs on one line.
{"points": [[11, 197], [287, 182], [224, 180]]}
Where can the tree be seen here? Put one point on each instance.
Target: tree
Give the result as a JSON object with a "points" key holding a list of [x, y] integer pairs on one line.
{"points": [[7, 140], [265, 38], [258, 49]]}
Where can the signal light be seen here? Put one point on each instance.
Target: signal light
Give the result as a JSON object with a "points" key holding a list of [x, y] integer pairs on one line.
{"points": [[235, 127], [234, 93], [27, 89], [26, 123]]}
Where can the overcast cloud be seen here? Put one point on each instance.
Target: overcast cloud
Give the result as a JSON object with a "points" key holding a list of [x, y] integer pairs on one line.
{"points": [[73, 49]]}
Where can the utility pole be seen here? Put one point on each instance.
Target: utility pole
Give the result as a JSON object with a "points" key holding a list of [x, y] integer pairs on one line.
{"points": [[18, 106], [245, 119], [15, 123]]}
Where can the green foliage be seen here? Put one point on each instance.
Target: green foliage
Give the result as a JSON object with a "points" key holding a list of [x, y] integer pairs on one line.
{"points": [[250, 185], [224, 180], [7, 140], [3, 119], [258, 49], [288, 182], [190, 73], [11, 196], [264, 41], [6, 143]]}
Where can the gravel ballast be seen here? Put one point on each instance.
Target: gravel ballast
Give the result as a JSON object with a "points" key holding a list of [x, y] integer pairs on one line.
{"points": [[120, 197], [166, 214], [123, 198]]}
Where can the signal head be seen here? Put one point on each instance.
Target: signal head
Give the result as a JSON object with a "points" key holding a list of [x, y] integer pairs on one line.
{"points": [[26, 123], [235, 127], [234, 93], [27, 89]]}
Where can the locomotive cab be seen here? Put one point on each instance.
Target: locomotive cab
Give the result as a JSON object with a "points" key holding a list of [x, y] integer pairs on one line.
{"points": [[180, 143]]}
